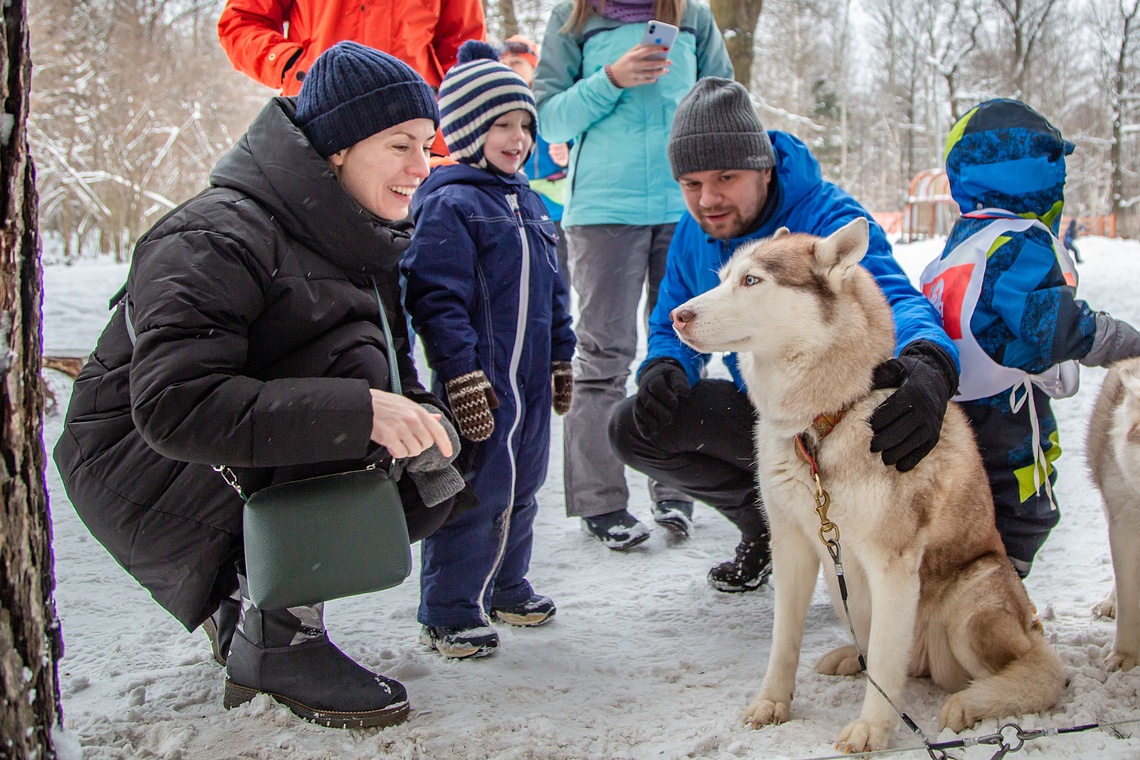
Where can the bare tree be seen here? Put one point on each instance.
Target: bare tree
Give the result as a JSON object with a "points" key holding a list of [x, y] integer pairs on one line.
{"points": [[952, 37], [737, 21], [133, 103], [1026, 22], [508, 21], [1117, 25], [30, 643]]}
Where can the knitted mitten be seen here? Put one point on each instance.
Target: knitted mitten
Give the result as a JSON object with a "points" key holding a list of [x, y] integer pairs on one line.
{"points": [[562, 380], [435, 478], [472, 398]]}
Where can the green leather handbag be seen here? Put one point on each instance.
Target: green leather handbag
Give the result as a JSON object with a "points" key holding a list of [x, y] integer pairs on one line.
{"points": [[327, 537], [324, 538]]}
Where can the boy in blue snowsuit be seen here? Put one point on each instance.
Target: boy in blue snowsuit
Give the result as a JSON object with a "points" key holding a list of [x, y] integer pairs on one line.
{"points": [[486, 296], [1006, 289]]}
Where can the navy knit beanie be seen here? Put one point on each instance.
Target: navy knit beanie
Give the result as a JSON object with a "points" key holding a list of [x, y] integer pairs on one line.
{"points": [[476, 91], [351, 92]]}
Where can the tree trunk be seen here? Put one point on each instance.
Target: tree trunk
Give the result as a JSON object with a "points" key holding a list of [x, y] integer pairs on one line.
{"points": [[737, 21], [1124, 210], [508, 20], [30, 642]]}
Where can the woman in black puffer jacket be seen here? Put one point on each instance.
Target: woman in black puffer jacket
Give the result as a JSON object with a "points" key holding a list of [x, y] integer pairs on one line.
{"points": [[249, 335]]}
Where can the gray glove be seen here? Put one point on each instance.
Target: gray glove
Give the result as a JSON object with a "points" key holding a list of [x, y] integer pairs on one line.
{"points": [[435, 478], [1115, 340]]}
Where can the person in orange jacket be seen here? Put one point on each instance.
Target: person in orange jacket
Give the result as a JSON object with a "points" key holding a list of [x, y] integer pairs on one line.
{"points": [[425, 34]]}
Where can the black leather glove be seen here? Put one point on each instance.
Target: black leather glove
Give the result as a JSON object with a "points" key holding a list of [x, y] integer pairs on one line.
{"points": [[907, 424], [660, 388]]}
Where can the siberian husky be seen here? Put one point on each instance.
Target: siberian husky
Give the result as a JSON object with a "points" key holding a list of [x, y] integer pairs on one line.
{"points": [[931, 590], [1113, 451]]}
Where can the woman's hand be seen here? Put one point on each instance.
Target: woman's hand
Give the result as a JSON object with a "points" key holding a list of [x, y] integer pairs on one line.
{"points": [[404, 427], [638, 66]]}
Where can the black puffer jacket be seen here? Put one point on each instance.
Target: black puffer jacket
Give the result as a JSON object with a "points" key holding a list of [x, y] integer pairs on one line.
{"points": [[258, 338]]}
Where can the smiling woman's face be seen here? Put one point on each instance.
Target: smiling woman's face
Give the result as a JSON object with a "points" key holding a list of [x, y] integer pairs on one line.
{"points": [[382, 171]]}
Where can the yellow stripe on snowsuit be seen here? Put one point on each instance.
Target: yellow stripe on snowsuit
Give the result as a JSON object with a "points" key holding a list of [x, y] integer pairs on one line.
{"points": [[1026, 488], [956, 133]]}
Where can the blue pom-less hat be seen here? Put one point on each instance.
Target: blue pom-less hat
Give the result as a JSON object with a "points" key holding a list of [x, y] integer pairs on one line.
{"points": [[1003, 154], [476, 91], [353, 91]]}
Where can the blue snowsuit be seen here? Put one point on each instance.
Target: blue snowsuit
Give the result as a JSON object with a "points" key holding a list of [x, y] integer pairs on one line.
{"points": [[802, 202], [481, 265], [1002, 155]]}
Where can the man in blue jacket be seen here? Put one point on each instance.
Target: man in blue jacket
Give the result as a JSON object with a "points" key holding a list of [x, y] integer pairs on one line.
{"points": [[693, 433]]}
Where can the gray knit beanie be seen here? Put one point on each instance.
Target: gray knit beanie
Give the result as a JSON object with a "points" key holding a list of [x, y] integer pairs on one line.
{"points": [[716, 128]]}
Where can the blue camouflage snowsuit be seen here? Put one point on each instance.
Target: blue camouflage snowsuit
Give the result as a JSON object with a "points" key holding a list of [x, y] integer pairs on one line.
{"points": [[482, 262], [1004, 156]]}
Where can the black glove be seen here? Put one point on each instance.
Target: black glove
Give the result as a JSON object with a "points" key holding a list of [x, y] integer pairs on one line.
{"points": [[660, 388], [907, 424]]}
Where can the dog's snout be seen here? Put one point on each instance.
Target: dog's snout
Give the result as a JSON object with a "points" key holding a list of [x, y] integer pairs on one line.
{"points": [[682, 317]]}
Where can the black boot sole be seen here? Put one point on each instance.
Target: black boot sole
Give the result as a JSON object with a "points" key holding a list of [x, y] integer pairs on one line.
{"points": [[392, 715], [675, 525]]}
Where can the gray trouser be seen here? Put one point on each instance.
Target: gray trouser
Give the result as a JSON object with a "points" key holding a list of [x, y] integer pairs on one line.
{"points": [[610, 264]]}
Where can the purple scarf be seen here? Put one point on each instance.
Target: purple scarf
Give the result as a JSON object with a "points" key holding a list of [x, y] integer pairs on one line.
{"points": [[625, 11]]}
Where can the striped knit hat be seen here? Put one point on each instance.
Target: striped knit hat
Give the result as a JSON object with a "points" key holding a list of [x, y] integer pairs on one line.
{"points": [[476, 92]]}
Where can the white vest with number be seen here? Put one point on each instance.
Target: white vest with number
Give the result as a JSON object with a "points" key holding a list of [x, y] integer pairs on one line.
{"points": [[954, 283]]}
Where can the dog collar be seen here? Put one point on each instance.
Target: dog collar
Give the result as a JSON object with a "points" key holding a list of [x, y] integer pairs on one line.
{"points": [[822, 425]]}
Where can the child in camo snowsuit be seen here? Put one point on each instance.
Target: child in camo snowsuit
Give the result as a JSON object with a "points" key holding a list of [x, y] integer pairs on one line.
{"points": [[1006, 289]]}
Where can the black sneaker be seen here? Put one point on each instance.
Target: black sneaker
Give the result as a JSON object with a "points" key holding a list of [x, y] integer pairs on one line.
{"points": [[461, 643], [529, 612], [617, 530], [677, 516], [748, 572]]}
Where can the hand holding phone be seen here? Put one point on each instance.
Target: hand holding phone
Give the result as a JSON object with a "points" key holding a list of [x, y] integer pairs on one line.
{"points": [[647, 62], [659, 34]]}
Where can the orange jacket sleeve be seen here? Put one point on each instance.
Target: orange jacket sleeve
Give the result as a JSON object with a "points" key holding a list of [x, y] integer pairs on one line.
{"points": [[251, 32], [459, 21]]}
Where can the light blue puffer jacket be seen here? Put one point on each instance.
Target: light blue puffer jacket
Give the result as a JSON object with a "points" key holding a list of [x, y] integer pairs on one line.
{"points": [[619, 170]]}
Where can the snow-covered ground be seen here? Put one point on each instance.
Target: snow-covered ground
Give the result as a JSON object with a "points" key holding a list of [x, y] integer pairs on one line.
{"points": [[644, 660]]}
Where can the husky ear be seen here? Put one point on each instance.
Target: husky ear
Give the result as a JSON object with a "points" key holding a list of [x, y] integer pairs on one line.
{"points": [[1130, 376], [836, 255], [780, 232]]}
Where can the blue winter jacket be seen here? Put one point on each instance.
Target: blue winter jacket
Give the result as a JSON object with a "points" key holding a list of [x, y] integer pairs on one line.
{"points": [[619, 169], [482, 258], [803, 202]]}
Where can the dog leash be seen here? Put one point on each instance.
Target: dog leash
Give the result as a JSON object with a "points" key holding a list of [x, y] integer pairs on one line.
{"points": [[1010, 737], [829, 536]]}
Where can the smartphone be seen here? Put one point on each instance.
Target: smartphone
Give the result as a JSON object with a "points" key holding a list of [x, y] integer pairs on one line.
{"points": [[657, 34]]}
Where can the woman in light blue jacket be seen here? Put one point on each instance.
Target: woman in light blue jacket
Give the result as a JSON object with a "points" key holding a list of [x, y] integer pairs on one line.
{"points": [[615, 100]]}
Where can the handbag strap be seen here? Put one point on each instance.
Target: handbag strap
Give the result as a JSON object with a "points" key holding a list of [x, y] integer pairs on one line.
{"points": [[393, 368], [394, 380]]}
